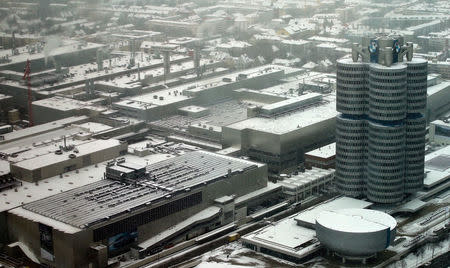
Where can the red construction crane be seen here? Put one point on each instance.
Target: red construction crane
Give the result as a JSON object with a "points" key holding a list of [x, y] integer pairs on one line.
{"points": [[26, 76]]}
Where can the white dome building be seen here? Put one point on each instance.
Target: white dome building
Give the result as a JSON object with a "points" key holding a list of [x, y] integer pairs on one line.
{"points": [[355, 233]]}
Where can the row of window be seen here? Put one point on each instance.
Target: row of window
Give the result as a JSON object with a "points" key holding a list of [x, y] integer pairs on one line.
{"points": [[131, 223], [362, 68], [350, 130], [417, 81], [350, 82], [386, 171], [388, 81], [417, 67], [385, 151], [348, 109], [423, 100], [374, 157], [396, 129], [346, 152], [352, 123], [387, 144], [417, 94], [384, 115], [350, 95], [389, 90], [341, 88], [417, 74], [378, 185], [385, 164], [377, 100], [346, 101], [388, 73], [354, 75], [415, 87], [349, 170]]}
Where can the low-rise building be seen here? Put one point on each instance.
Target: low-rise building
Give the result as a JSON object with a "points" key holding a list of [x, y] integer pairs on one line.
{"points": [[439, 132], [132, 209], [323, 157]]}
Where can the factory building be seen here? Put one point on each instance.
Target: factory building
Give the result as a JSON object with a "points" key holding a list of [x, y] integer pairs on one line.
{"points": [[179, 197], [439, 131], [300, 186], [283, 131], [47, 163], [323, 157], [380, 131], [438, 94], [163, 103]]}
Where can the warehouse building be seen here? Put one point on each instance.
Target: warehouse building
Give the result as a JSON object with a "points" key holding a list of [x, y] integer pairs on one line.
{"points": [[283, 131], [131, 206]]}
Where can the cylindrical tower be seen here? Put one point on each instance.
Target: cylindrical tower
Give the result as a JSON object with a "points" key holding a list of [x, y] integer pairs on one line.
{"points": [[414, 152], [352, 91], [351, 130], [415, 124], [417, 85], [351, 146], [386, 162], [387, 92]]}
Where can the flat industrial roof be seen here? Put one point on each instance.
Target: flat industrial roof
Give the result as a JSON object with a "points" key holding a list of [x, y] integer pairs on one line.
{"points": [[286, 237], [356, 220], [444, 85], [39, 129], [437, 174], [67, 47], [101, 200], [118, 69], [309, 216], [66, 104], [291, 121], [49, 157], [326, 151], [28, 192]]}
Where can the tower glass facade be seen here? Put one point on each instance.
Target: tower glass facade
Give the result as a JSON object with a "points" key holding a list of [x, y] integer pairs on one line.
{"points": [[380, 131]]}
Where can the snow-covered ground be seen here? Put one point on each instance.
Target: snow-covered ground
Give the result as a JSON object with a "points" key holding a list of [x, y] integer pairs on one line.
{"points": [[234, 255], [423, 255]]}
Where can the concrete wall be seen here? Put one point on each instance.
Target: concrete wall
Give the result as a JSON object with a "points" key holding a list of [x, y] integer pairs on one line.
{"points": [[72, 250], [44, 114], [438, 104], [280, 147], [54, 169], [238, 184], [25, 231]]}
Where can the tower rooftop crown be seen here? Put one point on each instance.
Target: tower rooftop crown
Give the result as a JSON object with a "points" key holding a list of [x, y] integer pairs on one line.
{"points": [[382, 49]]}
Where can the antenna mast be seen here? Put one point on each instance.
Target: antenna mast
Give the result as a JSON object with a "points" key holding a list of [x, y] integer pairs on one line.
{"points": [[26, 76]]}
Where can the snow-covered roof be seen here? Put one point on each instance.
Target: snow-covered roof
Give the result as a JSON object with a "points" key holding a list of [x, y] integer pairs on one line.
{"points": [[308, 217], [291, 121], [326, 151], [437, 174], [356, 220]]}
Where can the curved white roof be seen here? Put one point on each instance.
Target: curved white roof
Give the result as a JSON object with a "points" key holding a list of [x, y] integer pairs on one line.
{"points": [[355, 220]]}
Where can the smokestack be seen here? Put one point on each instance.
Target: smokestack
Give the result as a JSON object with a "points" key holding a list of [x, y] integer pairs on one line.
{"points": [[197, 60], [139, 71], [13, 43], [133, 53], [166, 63], [99, 60]]}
